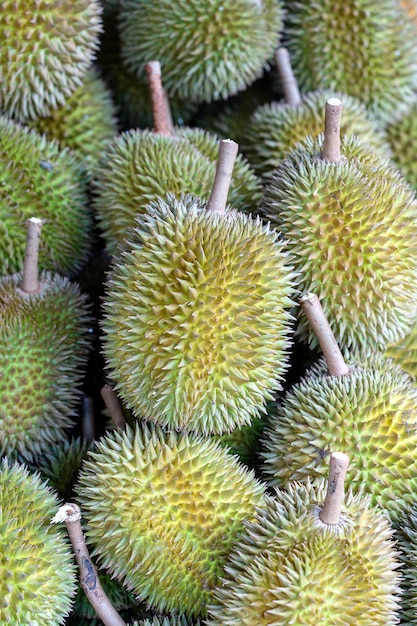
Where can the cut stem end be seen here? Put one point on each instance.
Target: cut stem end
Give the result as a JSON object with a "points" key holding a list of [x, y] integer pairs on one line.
{"points": [[30, 278], [224, 171], [332, 507], [332, 121]]}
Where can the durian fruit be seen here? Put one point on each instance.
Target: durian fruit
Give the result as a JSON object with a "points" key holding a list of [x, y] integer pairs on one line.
{"points": [[404, 352], [46, 48], [208, 50], [197, 318], [39, 178], [402, 138], [307, 560], [365, 49], [163, 510], [165, 621], [406, 536], [37, 575], [350, 221]]}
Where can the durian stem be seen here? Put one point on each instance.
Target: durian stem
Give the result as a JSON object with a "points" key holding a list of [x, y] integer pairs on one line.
{"points": [[224, 171], [88, 418], [113, 405], [168, 113], [332, 120], [161, 119], [70, 513], [332, 507], [321, 327], [288, 80], [30, 279]]}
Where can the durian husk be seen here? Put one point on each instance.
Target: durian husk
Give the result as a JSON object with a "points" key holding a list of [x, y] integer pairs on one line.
{"points": [[406, 536], [402, 138]]}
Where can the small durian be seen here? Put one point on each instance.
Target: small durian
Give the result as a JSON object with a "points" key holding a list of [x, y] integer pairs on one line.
{"points": [[46, 49], [312, 556], [37, 575], [163, 510], [208, 50]]}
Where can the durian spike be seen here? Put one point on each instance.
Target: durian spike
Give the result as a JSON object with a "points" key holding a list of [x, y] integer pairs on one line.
{"points": [[113, 405], [161, 118], [224, 171], [70, 513], [328, 344], [332, 507], [289, 82], [332, 120], [30, 279]]}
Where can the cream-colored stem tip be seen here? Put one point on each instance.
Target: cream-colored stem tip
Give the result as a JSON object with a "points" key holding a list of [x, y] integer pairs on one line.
{"points": [[224, 171], [161, 118], [30, 278], [332, 507], [332, 122], [288, 80]]}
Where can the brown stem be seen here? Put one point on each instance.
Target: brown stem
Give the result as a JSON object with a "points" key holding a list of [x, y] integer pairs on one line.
{"points": [[161, 121], [88, 418], [332, 507], [114, 406], [321, 327], [30, 279], [71, 514], [224, 171], [332, 120], [288, 80]]}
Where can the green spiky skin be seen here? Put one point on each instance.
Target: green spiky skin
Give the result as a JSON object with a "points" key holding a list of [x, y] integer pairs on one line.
{"points": [[165, 621], [404, 352], [85, 123], [275, 128], [197, 323], [37, 574], [163, 511], [141, 166], [351, 229], [291, 568], [208, 50], [402, 137], [245, 441], [40, 180], [46, 49], [43, 350], [370, 414], [363, 48], [406, 535]]}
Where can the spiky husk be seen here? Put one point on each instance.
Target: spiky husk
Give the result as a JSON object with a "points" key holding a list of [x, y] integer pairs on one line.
{"points": [[141, 166], [351, 228], [165, 621], [46, 49], [402, 137], [196, 317], [85, 123], [245, 441], [43, 350], [40, 180], [163, 511], [364, 48], [208, 50], [404, 352], [370, 414], [406, 535], [290, 568], [275, 128], [37, 574]]}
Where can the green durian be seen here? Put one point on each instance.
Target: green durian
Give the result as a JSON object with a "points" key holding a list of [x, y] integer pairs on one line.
{"points": [[402, 138], [164, 621], [37, 574], [46, 48], [208, 50], [404, 352], [163, 510]]}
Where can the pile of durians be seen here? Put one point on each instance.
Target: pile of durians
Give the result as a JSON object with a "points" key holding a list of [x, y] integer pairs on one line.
{"points": [[208, 312]]}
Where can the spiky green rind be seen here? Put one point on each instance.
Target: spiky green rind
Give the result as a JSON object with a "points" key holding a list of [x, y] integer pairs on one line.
{"points": [[404, 352], [163, 511], [165, 621], [402, 137], [40, 180], [406, 535], [370, 414], [351, 228], [275, 128], [141, 166], [290, 568], [363, 48], [245, 441], [85, 123], [197, 317], [37, 574], [208, 50], [46, 48], [43, 350]]}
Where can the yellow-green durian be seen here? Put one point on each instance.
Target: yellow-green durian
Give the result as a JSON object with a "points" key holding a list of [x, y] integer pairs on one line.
{"points": [[404, 352], [402, 138], [197, 318], [163, 510]]}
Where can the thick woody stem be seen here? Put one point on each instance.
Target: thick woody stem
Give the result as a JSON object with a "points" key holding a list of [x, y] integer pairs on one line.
{"points": [[224, 171], [30, 279], [288, 80], [114, 406], [332, 120], [321, 327], [71, 514], [332, 507], [161, 119]]}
